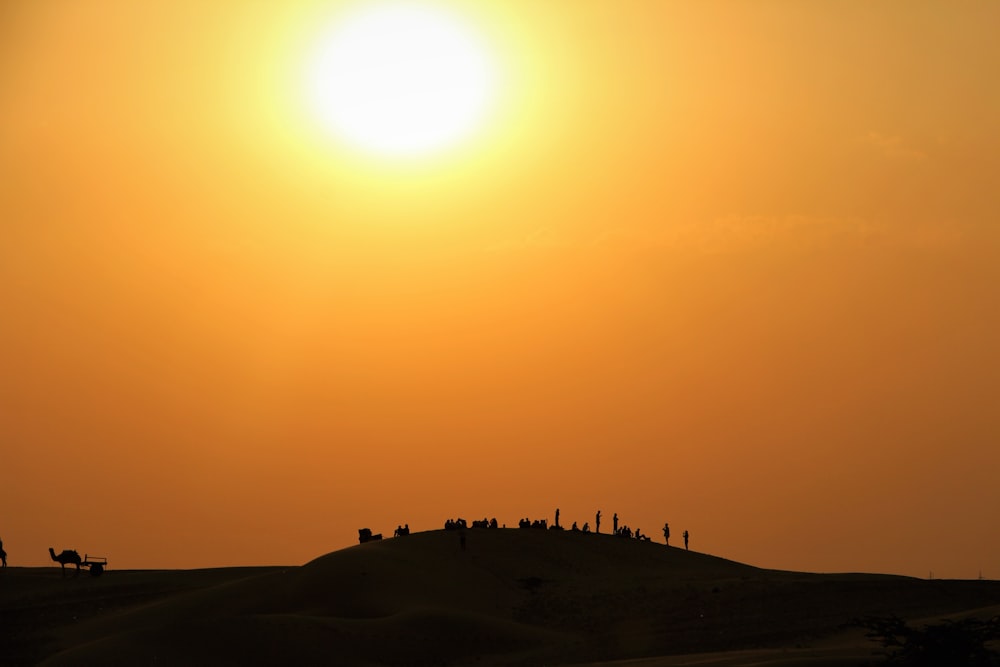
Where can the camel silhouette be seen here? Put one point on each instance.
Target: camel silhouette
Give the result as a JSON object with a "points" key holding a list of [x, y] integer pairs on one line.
{"points": [[67, 556]]}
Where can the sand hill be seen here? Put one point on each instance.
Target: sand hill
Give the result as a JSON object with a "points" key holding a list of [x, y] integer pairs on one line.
{"points": [[512, 597]]}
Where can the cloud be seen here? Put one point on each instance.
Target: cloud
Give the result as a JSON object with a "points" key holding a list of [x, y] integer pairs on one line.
{"points": [[735, 233], [738, 234], [741, 234], [744, 233]]}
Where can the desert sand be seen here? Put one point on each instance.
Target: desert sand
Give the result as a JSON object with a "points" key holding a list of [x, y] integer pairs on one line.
{"points": [[511, 597]]}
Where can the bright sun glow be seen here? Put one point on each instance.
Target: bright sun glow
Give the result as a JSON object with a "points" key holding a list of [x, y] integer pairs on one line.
{"points": [[401, 79]]}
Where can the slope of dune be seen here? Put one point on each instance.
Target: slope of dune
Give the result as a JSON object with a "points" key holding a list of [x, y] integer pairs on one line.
{"points": [[518, 597]]}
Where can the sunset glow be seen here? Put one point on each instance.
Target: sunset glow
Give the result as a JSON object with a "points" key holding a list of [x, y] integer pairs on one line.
{"points": [[271, 272]]}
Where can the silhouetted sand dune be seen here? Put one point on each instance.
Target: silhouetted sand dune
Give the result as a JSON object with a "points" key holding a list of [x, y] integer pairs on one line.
{"points": [[519, 597]]}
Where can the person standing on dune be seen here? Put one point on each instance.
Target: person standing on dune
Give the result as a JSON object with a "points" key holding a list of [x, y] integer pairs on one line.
{"points": [[666, 534], [685, 540], [597, 522]]}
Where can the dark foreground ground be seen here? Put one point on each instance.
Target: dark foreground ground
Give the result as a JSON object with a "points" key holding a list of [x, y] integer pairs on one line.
{"points": [[512, 597]]}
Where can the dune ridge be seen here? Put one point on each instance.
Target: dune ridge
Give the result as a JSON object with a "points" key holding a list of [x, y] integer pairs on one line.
{"points": [[510, 597]]}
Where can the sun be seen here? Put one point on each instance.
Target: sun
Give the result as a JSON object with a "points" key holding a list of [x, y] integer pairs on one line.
{"points": [[401, 79]]}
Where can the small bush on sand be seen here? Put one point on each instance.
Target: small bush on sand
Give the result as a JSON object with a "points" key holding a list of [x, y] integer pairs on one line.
{"points": [[952, 643]]}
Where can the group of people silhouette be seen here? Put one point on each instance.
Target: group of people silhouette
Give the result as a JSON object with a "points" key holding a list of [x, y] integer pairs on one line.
{"points": [[460, 524], [666, 535], [619, 531], [542, 524]]}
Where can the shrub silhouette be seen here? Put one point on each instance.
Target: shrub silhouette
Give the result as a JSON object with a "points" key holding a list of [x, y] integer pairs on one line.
{"points": [[952, 643]]}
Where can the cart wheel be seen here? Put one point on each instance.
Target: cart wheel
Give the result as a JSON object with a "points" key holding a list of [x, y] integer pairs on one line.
{"points": [[96, 569]]}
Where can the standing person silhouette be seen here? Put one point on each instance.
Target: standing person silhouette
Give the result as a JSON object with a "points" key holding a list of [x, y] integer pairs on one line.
{"points": [[685, 540], [557, 517], [614, 520], [597, 522], [666, 534], [3, 554]]}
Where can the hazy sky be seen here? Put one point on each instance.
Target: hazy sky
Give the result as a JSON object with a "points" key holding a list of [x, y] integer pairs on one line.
{"points": [[731, 265]]}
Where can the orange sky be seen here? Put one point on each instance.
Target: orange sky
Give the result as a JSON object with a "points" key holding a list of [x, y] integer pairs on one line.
{"points": [[731, 265]]}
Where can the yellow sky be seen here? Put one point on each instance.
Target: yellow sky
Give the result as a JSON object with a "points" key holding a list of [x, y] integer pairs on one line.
{"points": [[731, 265]]}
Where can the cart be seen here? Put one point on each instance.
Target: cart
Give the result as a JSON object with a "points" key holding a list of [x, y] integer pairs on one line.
{"points": [[95, 564]]}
